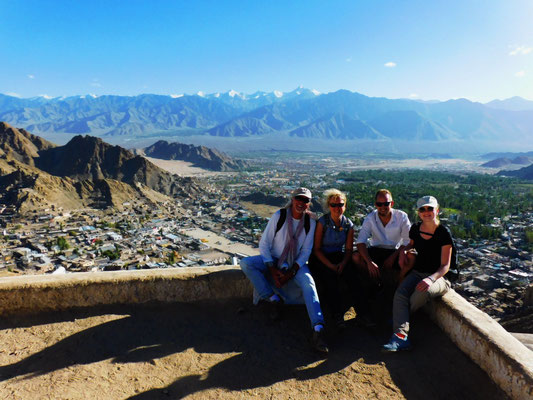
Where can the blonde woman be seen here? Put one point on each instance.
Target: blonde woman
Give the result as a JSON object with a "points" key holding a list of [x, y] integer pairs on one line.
{"points": [[433, 243], [332, 252]]}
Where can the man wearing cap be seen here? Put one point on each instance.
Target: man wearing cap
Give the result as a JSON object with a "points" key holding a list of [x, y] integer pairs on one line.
{"points": [[285, 247], [383, 235]]}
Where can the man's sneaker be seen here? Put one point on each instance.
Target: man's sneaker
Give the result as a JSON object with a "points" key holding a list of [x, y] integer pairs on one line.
{"points": [[319, 343], [396, 344]]}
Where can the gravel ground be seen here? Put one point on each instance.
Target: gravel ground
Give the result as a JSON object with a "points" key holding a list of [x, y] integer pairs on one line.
{"points": [[223, 351]]}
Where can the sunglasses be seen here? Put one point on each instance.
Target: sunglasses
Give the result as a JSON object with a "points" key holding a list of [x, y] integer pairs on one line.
{"points": [[336, 204], [424, 209], [383, 203], [303, 199]]}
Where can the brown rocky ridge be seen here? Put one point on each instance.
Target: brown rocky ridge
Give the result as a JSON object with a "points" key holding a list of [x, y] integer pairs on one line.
{"points": [[200, 156], [86, 172]]}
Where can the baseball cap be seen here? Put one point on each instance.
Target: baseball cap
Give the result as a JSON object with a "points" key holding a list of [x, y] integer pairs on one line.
{"points": [[301, 191], [427, 201]]}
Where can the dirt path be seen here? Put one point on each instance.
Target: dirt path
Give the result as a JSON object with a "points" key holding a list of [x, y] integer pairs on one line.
{"points": [[222, 351]]}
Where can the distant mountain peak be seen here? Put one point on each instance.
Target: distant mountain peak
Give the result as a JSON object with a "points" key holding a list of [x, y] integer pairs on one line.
{"points": [[515, 103]]}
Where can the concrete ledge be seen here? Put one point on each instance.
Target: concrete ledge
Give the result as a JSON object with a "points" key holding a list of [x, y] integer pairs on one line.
{"points": [[505, 359], [41, 293]]}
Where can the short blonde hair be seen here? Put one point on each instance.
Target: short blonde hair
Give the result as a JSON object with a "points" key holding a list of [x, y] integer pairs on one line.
{"points": [[382, 192], [328, 195]]}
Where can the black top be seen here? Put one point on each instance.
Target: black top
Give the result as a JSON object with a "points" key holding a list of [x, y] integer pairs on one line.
{"points": [[429, 250]]}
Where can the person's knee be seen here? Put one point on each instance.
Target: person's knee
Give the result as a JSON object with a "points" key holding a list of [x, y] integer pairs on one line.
{"points": [[306, 279], [245, 264], [306, 282], [418, 299], [409, 261], [252, 263], [357, 259]]}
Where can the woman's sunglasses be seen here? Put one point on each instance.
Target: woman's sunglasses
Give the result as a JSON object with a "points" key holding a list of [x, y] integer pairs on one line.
{"points": [[424, 209], [336, 204]]}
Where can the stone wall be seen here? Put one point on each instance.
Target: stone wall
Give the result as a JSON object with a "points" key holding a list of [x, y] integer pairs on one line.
{"points": [[34, 294], [506, 360]]}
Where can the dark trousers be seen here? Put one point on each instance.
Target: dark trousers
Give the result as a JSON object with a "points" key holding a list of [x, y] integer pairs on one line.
{"points": [[335, 291], [377, 294]]}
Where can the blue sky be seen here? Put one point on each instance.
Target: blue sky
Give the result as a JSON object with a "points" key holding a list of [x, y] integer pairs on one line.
{"points": [[480, 50]]}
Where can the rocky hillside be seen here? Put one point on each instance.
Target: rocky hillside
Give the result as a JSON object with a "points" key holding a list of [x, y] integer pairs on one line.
{"points": [[86, 172], [522, 173], [200, 156], [505, 161], [21, 145]]}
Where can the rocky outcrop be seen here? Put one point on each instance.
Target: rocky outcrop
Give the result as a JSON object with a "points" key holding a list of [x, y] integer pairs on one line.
{"points": [[86, 172], [87, 157], [21, 145], [200, 156]]}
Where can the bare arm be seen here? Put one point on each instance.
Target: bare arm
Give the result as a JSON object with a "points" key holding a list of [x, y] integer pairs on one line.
{"points": [[373, 268]]}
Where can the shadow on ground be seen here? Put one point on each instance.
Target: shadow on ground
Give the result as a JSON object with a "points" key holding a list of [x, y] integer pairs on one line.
{"points": [[265, 352]]}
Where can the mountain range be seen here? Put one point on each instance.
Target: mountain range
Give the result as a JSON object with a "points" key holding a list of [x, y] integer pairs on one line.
{"points": [[86, 172], [303, 113]]}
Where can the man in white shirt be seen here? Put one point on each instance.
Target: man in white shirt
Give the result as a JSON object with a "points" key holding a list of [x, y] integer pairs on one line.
{"points": [[286, 245], [384, 234]]}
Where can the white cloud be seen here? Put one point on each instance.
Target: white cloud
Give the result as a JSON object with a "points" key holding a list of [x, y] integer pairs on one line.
{"points": [[176, 96], [31, 76], [520, 74], [390, 64], [278, 94], [45, 96], [96, 84], [349, 59], [413, 96], [13, 94], [520, 50]]}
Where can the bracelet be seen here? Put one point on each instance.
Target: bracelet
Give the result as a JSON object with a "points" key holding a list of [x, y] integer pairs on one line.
{"points": [[432, 280]]}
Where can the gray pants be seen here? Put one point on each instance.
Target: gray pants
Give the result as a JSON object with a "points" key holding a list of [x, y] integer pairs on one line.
{"points": [[407, 299]]}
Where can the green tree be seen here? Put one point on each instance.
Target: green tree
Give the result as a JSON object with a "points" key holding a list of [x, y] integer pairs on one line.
{"points": [[62, 243]]}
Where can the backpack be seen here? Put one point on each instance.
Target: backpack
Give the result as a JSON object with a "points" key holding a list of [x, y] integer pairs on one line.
{"points": [[283, 217]]}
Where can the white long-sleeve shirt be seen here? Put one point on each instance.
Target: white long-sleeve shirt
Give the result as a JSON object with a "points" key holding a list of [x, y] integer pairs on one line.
{"points": [[272, 244], [391, 236]]}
